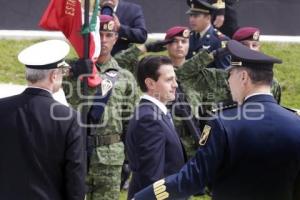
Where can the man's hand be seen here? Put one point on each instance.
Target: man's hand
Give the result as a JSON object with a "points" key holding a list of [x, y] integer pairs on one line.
{"points": [[219, 21], [117, 21], [219, 53], [157, 46], [81, 66]]}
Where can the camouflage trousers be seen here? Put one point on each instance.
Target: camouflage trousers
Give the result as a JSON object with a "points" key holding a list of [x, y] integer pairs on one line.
{"points": [[104, 182]]}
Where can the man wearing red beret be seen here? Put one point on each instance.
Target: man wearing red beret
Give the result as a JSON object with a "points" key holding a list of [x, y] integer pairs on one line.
{"points": [[111, 102], [248, 36]]}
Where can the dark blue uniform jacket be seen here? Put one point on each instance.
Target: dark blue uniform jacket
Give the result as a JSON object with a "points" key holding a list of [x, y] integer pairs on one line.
{"points": [[252, 153], [212, 40]]}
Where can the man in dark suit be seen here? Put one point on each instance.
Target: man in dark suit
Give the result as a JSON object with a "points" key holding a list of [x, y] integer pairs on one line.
{"points": [[153, 146], [41, 143], [248, 152], [203, 34], [130, 22]]}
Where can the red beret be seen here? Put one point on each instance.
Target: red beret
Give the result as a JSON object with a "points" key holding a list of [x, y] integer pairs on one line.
{"points": [[177, 31], [246, 33], [107, 23]]}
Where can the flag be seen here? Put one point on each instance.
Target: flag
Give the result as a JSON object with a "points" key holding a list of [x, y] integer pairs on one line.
{"points": [[67, 16]]}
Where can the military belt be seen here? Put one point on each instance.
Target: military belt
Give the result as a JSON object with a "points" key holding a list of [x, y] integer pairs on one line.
{"points": [[103, 140]]}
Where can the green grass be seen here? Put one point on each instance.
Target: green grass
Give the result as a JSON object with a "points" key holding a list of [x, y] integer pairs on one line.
{"points": [[288, 73], [11, 71]]}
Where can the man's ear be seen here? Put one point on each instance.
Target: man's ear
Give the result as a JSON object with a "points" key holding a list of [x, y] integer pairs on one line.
{"points": [[150, 83], [244, 76], [53, 76]]}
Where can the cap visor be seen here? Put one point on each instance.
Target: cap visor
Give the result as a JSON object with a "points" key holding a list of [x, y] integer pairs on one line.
{"points": [[194, 12], [63, 64]]}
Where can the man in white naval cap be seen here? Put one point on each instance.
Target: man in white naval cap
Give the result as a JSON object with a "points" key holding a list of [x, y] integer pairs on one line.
{"points": [[41, 143]]}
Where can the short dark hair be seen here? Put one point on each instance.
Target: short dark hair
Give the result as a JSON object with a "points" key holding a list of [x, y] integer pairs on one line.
{"points": [[260, 76], [148, 68]]}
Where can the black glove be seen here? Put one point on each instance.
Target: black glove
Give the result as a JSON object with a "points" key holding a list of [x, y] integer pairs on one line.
{"points": [[157, 46], [220, 53], [81, 66]]}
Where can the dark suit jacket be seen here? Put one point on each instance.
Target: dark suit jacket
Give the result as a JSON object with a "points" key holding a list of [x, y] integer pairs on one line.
{"points": [[252, 152], [133, 28], [40, 157], [153, 146]]}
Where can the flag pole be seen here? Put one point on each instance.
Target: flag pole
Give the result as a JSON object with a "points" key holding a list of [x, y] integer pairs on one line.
{"points": [[86, 46]]}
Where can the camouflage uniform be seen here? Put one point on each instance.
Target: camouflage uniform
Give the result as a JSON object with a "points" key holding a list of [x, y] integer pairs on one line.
{"points": [[205, 89], [107, 159]]}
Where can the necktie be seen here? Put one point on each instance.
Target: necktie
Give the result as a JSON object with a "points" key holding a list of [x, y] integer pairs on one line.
{"points": [[198, 36], [169, 116]]}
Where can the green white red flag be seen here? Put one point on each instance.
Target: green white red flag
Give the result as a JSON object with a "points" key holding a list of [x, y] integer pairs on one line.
{"points": [[67, 16]]}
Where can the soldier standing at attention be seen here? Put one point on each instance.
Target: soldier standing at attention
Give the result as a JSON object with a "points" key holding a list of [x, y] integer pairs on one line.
{"points": [[203, 35], [112, 103], [250, 151], [41, 142]]}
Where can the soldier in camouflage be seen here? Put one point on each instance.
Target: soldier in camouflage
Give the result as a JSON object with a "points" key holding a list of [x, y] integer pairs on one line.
{"points": [[119, 87], [205, 89]]}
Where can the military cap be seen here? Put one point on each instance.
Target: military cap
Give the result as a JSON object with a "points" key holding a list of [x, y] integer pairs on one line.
{"points": [[107, 23], [48, 54], [246, 33], [242, 56], [180, 31], [200, 6]]}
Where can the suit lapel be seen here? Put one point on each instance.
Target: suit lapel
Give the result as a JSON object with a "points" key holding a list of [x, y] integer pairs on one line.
{"points": [[160, 114], [168, 122]]}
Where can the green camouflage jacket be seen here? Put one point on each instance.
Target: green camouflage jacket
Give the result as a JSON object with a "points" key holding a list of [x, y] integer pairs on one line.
{"points": [[117, 111]]}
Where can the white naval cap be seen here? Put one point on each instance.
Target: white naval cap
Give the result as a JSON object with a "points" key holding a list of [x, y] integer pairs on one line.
{"points": [[48, 54]]}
